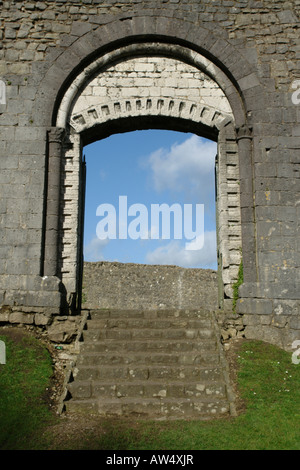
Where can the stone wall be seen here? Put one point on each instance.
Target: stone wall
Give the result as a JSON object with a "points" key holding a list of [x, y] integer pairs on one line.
{"points": [[128, 285], [151, 77]]}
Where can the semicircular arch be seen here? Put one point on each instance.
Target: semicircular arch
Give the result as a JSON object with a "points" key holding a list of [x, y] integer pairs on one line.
{"points": [[213, 44], [146, 49], [92, 121]]}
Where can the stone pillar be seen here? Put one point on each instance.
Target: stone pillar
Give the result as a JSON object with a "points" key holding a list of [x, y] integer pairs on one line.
{"points": [[244, 140], [55, 139]]}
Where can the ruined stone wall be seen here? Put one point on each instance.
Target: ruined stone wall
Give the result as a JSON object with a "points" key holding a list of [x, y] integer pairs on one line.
{"points": [[256, 43], [138, 286]]}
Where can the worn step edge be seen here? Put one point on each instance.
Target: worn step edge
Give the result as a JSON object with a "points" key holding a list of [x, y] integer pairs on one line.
{"points": [[179, 367], [155, 372], [153, 323], [151, 313], [161, 408], [156, 341], [136, 350], [147, 389], [151, 333], [147, 359], [138, 347]]}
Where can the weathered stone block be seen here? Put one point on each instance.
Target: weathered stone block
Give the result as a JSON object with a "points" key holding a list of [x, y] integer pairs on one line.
{"points": [[20, 317], [63, 330], [255, 306], [4, 317], [41, 320]]}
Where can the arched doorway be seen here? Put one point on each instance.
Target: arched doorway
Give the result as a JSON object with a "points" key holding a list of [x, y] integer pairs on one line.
{"points": [[146, 86], [150, 223]]}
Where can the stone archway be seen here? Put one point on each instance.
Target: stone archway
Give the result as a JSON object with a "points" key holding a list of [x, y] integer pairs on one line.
{"points": [[45, 67], [151, 85]]}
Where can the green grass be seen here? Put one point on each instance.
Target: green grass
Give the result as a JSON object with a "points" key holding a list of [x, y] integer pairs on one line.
{"points": [[268, 382], [23, 382], [236, 286], [270, 385]]}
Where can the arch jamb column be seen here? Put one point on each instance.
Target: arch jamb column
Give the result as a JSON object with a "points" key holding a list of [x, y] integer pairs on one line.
{"points": [[244, 139], [55, 138]]}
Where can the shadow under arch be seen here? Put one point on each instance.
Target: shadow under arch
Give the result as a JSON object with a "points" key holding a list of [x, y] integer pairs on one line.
{"points": [[129, 124]]}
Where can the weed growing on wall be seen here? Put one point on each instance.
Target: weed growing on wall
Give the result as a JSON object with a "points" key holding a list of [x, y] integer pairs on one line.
{"points": [[236, 286]]}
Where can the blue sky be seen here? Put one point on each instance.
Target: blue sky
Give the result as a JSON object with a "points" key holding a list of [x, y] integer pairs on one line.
{"points": [[151, 167]]}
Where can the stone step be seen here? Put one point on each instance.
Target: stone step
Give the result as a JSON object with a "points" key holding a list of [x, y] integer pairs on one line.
{"points": [[118, 341], [136, 333], [150, 313], [154, 363], [94, 358], [155, 408], [149, 372], [154, 345], [89, 389], [150, 323]]}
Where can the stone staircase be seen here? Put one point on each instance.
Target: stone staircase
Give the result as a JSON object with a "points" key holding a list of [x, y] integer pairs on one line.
{"points": [[158, 364]]}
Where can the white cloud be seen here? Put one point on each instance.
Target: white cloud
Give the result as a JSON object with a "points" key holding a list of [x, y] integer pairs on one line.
{"points": [[188, 167], [93, 250], [174, 253]]}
